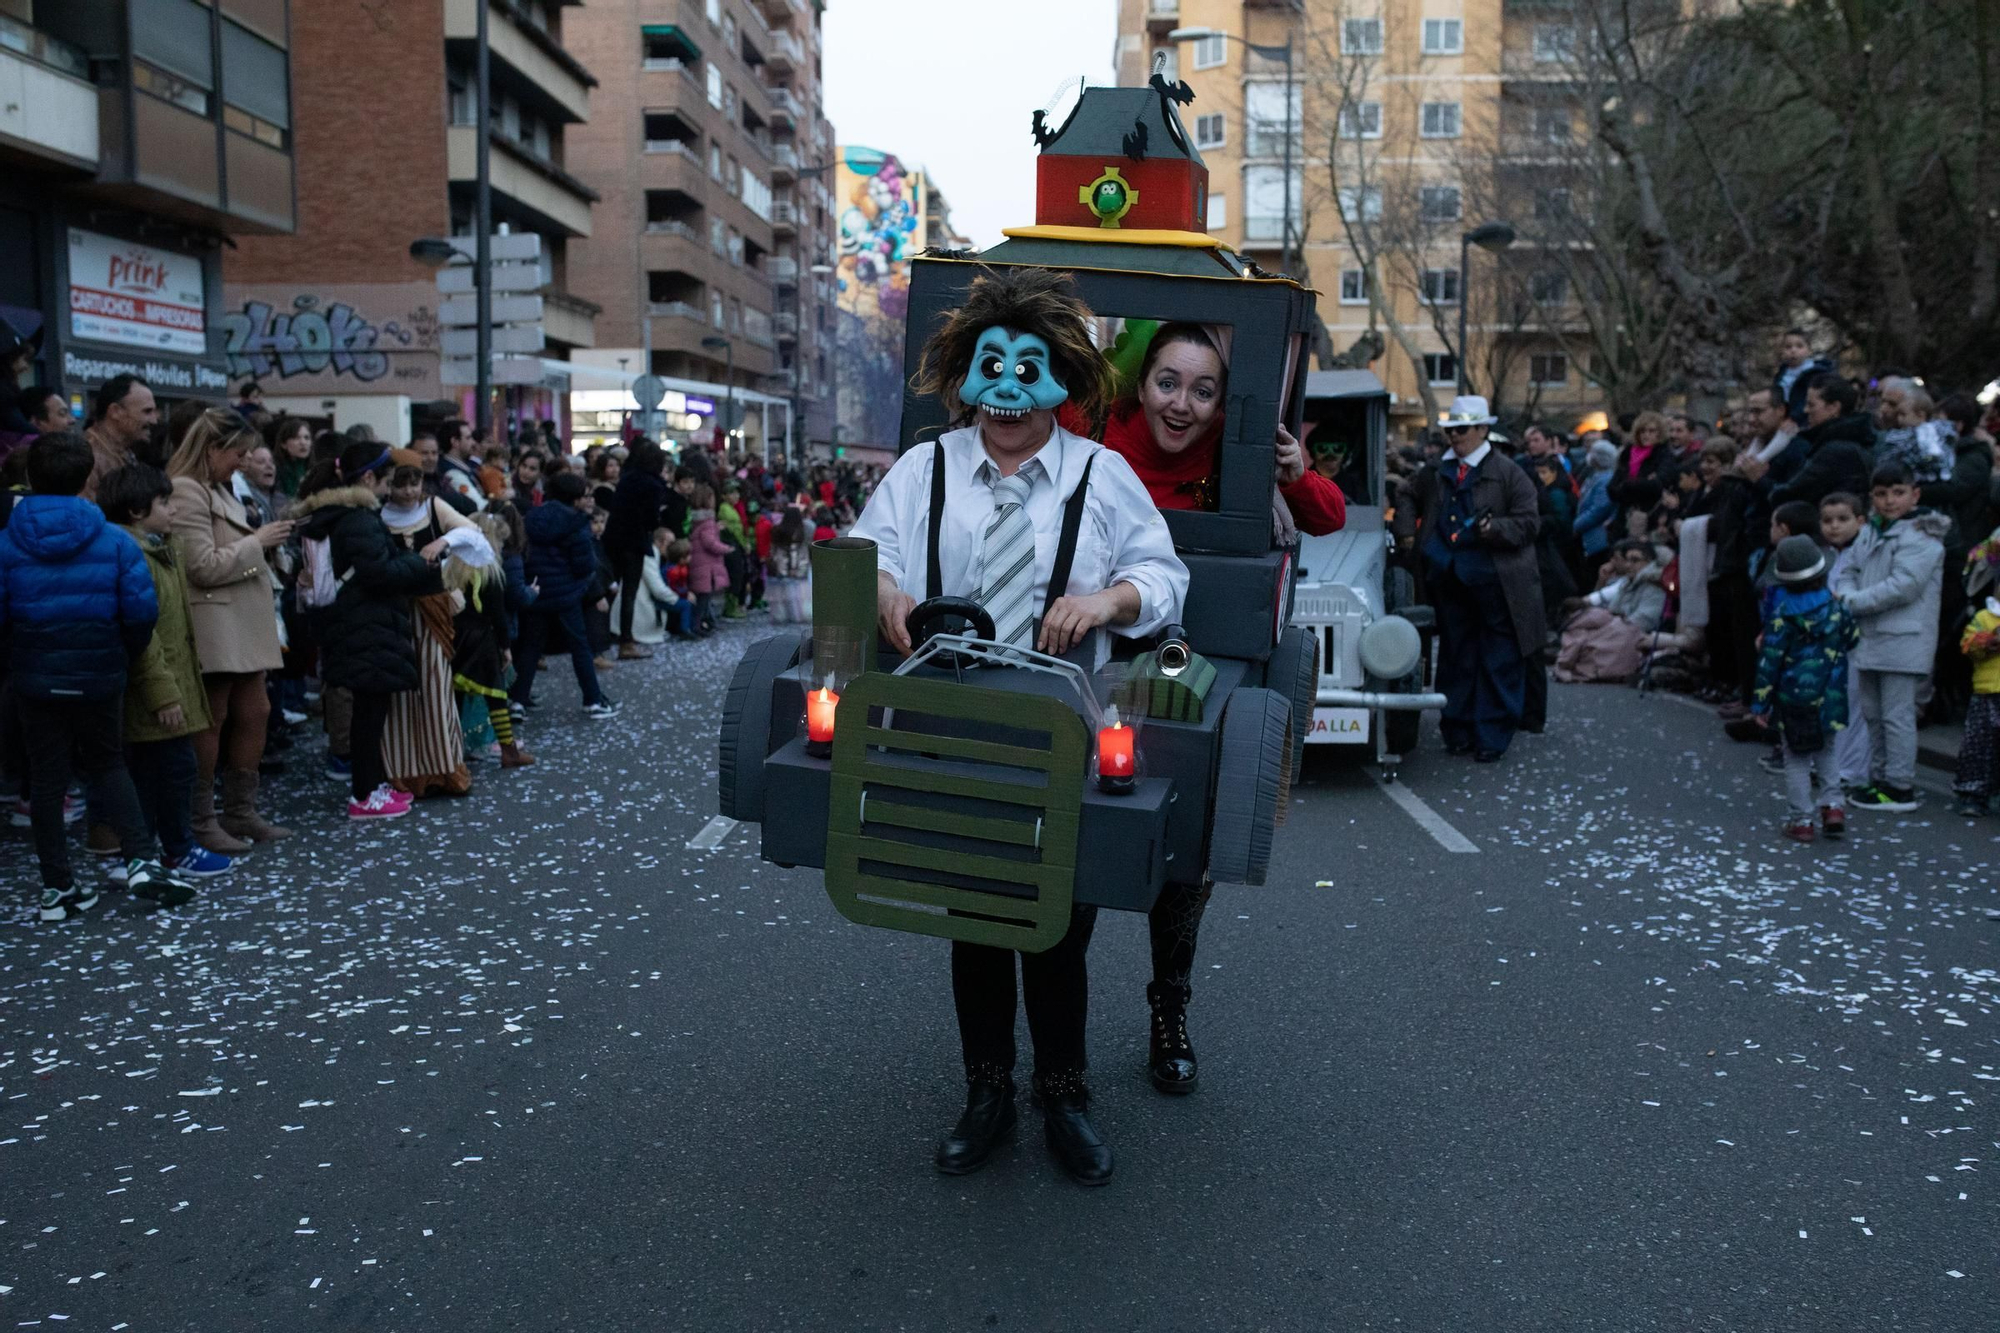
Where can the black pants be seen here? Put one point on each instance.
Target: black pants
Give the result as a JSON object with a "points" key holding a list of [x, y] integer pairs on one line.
{"points": [[1535, 693], [371, 719], [1481, 671], [163, 776], [630, 567], [1055, 987], [566, 624], [1174, 924], [78, 738], [1732, 634]]}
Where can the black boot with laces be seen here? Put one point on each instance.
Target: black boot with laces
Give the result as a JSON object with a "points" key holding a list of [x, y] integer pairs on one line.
{"points": [[1173, 1063]]}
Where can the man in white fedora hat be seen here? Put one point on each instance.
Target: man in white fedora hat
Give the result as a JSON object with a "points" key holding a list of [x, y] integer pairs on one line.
{"points": [[1477, 515]]}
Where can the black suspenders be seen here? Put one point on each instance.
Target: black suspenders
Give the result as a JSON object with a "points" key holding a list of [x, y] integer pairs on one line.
{"points": [[1065, 548]]}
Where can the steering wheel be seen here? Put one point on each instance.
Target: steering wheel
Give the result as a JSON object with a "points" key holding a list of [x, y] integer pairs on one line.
{"points": [[928, 619]]}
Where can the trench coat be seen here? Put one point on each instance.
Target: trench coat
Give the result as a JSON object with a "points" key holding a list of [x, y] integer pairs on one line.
{"points": [[229, 584], [1504, 489]]}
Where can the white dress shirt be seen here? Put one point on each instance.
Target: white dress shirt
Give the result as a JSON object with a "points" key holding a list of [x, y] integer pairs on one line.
{"points": [[1122, 538]]}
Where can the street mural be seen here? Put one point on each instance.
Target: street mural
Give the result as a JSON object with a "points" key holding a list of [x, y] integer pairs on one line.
{"points": [[881, 226], [325, 337], [881, 219]]}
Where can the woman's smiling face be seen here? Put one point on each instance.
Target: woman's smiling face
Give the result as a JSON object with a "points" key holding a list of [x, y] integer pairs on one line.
{"points": [[1181, 395]]}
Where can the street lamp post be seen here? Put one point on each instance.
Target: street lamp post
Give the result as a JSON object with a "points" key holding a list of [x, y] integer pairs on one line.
{"points": [[799, 357], [1279, 53], [1492, 237], [482, 226], [728, 349]]}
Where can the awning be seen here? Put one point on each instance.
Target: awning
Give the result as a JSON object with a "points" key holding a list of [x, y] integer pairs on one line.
{"points": [[674, 33]]}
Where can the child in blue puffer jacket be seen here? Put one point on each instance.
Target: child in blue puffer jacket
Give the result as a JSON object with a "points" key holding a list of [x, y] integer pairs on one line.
{"points": [[77, 606], [1802, 683]]}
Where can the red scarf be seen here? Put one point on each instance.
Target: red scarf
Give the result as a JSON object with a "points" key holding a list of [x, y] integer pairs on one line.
{"points": [[1173, 480]]}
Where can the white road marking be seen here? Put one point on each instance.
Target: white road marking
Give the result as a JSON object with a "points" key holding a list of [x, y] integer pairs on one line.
{"points": [[1429, 820], [712, 833]]}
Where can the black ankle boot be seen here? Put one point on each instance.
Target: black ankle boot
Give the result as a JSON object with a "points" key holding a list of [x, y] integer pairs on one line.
{"points": [[1173, 1062], [1065, 1104], [989, 1115]]}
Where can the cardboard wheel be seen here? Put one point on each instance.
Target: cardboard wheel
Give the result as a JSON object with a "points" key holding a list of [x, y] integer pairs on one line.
{"points": [[1294, 674], [1253, 776], [745, 740]]}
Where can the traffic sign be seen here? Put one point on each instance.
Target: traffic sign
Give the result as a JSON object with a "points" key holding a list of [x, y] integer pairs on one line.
{"points": [[506, 338], [463, 311], [501, 246], [506, 370], [649, 391], [456, 279]]}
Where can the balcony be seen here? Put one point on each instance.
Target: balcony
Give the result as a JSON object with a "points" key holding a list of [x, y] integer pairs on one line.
{"points": [[678, 147], [1162, 15], [784, 164], [787, 325], [781, 11], [782, 268], [787, 52], [674, 227], [676, 310], [785, 110], [554, 199], [50, 106], [784, 216], [523, 55], [568, 319]]}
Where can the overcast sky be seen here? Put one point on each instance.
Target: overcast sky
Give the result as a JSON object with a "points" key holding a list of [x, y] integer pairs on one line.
{"points": [[951, 85]]}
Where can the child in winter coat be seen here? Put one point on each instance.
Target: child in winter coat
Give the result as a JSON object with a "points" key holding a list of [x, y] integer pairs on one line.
{"points": [[1892, 583], [1840, 517], [674, 569], [1801, 687], [77, 602], [708, 568], [481, 645], [165, 702], [790, 568], [1979, 752]]}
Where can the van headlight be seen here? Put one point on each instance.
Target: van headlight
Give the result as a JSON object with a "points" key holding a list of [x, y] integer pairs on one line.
{"points": [[1390, 648]]}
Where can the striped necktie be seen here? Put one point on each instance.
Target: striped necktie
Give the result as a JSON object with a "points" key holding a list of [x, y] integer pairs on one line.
{"points": [[1007, 562]]}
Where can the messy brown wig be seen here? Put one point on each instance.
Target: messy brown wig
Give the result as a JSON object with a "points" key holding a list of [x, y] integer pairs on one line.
{"points": [[1022, 300]]}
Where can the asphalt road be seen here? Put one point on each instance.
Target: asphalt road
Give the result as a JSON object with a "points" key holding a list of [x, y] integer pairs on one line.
{"points": [[526, 1061]]}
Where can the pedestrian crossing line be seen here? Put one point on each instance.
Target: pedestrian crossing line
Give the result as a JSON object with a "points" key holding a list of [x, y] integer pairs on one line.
{"points": [[1429, 820], [712, 834]]}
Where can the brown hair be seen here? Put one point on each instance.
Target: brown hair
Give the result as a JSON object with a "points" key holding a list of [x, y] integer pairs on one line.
{"points": [[702, 496], [216, 428], [1025, 300], [1721, 448]]}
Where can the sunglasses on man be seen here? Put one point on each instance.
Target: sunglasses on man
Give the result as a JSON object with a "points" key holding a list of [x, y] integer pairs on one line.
{"points": [[1456, 430]]}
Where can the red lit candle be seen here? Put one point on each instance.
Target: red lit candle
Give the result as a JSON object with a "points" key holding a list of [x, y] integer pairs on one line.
{"points": [[1114, 751], [820, 704]]}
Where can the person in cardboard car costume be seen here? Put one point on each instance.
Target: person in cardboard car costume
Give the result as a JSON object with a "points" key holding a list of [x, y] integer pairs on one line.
{"points": [[981, 513]]}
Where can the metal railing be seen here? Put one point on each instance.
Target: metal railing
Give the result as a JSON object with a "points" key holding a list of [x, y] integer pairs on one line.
{"points": [[673, 227], [677, 309]]}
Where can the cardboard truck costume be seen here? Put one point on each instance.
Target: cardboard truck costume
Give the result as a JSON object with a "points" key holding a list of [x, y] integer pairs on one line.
{"points": [[975, 791]]}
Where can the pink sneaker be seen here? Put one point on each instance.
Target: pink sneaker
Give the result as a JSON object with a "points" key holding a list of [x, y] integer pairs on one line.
{"points": [[382, 803]]}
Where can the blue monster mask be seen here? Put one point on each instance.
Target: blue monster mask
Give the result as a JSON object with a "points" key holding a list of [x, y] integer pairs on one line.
{"points": [[1011, 375]]}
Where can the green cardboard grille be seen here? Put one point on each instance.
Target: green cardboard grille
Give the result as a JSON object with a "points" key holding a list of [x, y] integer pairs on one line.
{"points": [[947, 835]]}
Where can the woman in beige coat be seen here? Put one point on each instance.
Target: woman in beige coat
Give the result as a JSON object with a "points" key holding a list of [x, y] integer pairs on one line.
{"points": [[235, 625]]}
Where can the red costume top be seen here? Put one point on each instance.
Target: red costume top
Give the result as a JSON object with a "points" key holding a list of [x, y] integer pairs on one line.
{"points": [[1183, 480]]}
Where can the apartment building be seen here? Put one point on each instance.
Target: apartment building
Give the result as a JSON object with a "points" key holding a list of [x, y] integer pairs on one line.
{"points": [[338, 321], [1413, 123], [715, 172], [138, 138]]}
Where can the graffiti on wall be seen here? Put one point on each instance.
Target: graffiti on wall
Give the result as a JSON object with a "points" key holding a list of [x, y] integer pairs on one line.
{"points": [[314, 338], [881, 226]]}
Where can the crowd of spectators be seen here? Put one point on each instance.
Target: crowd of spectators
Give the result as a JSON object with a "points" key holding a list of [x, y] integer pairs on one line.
{"points": [[188, 603], [1658, 555]]}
